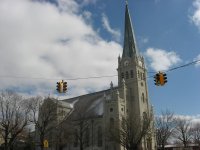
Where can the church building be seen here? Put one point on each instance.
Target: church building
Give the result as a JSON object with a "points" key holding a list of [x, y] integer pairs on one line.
{"points": [[102, 118]]}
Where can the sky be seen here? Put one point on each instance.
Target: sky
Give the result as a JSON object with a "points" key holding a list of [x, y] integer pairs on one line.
{"points": [[45, 41]]}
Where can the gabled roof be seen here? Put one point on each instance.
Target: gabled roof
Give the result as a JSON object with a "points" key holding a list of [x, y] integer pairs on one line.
{"points": [[91, 104]]}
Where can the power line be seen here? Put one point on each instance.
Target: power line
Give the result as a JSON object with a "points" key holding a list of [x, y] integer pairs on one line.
{"points": [[64, 78], [188, 64], [93, 77], [178, 67]]}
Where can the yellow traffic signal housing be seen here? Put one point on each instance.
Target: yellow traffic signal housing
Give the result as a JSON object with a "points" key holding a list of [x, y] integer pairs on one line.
{"points": [[157, 79], [163, 78], [64, 86], [59, 87], [46, 144], [160, 79]]}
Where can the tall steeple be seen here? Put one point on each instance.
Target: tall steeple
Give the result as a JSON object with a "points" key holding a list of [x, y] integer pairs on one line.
{"points": [[130, 48]]}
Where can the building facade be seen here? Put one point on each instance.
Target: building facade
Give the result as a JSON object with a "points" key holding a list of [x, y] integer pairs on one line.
{"points": [[95, 115]]}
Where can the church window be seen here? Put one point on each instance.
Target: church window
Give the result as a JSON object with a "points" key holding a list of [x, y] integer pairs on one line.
{"points": [[127, 76], [76, 138], [131, 92], [142, 84], [145, 116], [141, 76], [111, 109], [131, 73], [111, 123], [114, 147], [143, 97], [122, 109], [138, 74], [87, 137], [61, 112], [99, 135], [122, 75]]}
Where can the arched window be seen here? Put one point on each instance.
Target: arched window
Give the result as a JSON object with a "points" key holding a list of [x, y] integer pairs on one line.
{"points": [[141, 77], [145, 117], [122, 75], [127, 75], [143, 99], [112, 121], [131, 73], [87, 137], [76, 138], [138, 74], [99, 136], [111, 109]]}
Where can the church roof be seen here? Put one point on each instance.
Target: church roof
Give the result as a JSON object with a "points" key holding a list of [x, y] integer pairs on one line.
{"points": [[91, 104], [130, 47]]}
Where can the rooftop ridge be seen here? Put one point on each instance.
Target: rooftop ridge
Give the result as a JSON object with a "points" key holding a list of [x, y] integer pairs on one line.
{"points": [[94, 93]]}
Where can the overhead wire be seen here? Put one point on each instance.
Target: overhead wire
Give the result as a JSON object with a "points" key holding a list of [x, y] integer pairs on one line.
{"points": [[94, 77], [178, 67], [185, 65], [58, 78]]}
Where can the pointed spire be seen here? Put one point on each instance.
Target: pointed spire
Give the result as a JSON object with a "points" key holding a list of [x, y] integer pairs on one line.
{"points": [[111, 85], [130, 48], [126, 2]]}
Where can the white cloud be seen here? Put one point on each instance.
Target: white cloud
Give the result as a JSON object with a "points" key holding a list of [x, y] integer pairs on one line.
{"points": [[145, 40], [195, 18], [87, 15], [86, 2], [115, 33], [195, 119], [198, 63], [161, 59], [42, 40], [69, 6]]}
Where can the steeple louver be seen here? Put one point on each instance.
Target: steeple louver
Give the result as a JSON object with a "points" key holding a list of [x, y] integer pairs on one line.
{"points": [[130, 48]]}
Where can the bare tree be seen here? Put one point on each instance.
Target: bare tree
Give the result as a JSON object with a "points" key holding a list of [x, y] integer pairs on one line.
{"points": [[80, 123], [50, 118], [13, 118], [183, 131], [43, 116], [63, 134], [131, 131], [165, 125], [196, 134]]}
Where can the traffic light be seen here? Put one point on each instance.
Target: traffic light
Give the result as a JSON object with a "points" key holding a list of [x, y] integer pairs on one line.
{"points": [[64, 86], [160, 78], [165, 77], [59, 87], [157, 79]]}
